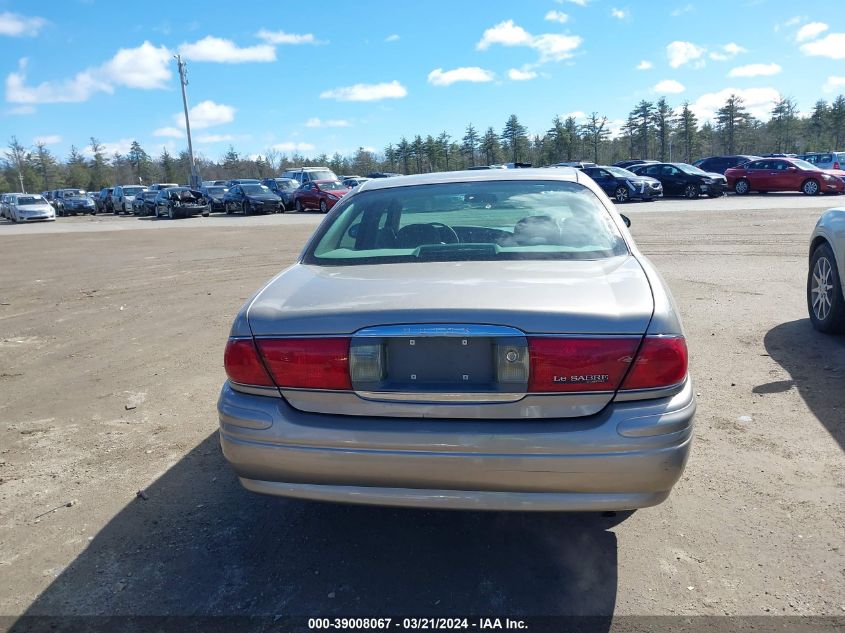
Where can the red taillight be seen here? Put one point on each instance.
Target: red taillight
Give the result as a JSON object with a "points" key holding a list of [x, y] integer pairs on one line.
{"points": [[308, 363], [661, 362], [579, 364], [243, 365]]}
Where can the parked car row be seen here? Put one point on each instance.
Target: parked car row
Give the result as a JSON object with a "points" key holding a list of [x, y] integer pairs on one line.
{"points": [[26, 207]]}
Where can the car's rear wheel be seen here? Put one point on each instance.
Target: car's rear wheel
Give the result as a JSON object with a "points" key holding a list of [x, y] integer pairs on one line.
{"points": [[324, 208], [171, 213], [741, 187], [298, 205], [245, 208], [825, 302], [621, 194], [691, 192], [810, 187]]}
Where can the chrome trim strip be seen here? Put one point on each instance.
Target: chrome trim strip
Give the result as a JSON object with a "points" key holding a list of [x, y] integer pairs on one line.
{"points": [[272, 392], [476, 397], [438, 329], [648, 394]]}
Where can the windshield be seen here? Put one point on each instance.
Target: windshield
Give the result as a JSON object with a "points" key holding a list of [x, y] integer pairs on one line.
{"points": [[469, 222], [216, 191], [322, 174], [803, 164], [689, 169], [255, 189], [622, 173], [287, 184], [26, 200], [132, 191], [75, 194], [333, 186]]}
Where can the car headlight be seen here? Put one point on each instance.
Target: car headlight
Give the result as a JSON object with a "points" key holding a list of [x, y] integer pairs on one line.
{"points": [[828, 177], [707, 181]]}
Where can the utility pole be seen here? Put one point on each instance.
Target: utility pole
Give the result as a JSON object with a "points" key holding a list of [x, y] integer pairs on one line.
{"points": [[183, 81]]}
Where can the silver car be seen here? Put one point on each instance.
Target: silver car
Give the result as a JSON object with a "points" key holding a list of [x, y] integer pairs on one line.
{"points": [[481, 340], [27, 207], [825, 295]]}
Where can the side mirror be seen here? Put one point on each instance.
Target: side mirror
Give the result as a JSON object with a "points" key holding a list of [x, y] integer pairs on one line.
{"points": [[626, 219], [792, 169], [353, 230]]}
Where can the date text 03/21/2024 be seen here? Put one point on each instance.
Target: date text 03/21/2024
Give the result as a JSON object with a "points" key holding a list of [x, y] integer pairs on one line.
{"points": [[481, 624]]}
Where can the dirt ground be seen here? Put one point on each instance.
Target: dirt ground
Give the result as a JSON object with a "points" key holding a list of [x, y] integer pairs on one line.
{"points": [[111, 348]]}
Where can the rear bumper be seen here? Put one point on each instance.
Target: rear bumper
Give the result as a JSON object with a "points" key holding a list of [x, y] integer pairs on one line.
{"points": [[628, 456]]}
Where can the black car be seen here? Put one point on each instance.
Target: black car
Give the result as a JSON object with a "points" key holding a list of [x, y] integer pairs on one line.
{"points": [[681, 179], [623, 185], [180, 202], [215, 194], [74, 202], [721, 164], [251, 198], [284, 188], [100, 199], [144, 203], [627, 164]]}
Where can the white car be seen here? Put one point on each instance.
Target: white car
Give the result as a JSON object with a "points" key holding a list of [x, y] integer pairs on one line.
{"points": [[825, 294], [26, 207], [5, 204]]}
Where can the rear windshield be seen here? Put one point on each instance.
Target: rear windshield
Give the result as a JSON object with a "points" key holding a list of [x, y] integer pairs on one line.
{"points": [[504, 220], [321, 174], [132, 191]]}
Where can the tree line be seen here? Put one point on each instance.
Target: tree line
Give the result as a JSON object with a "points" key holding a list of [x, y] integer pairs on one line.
{"points": [[653, 129]]}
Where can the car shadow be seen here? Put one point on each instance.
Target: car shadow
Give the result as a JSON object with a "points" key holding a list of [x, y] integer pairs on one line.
{"points": [[198, 544], [816, 365]]}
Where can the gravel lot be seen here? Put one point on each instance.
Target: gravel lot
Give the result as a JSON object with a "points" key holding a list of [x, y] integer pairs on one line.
{"points": [[111, 341]]}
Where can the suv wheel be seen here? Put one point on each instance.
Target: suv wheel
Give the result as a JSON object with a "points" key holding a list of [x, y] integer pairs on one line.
{"points": [[298, 205], [825, 302], [691, 192], [810, 187], [621, 194], [741, 187], [324, 208]]}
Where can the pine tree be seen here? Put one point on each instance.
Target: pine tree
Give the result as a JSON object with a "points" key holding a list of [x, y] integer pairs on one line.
{"points": [[470, 144], [46, 166], [490, 147], [687, 126], [643, 114], [97, 173], [817, 124], [836, 120], [732, 118], [662, 118], [515, 138], [140, 161], [404, 150], [595, 132], [168, 166], [784, 117]]}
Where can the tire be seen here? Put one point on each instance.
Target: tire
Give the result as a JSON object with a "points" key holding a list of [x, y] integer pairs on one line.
{"points": [[245, 208], [825, 302], [811, 187], [298, 206], [621, 195], [691, 192], [324, 208], [171, 213]]}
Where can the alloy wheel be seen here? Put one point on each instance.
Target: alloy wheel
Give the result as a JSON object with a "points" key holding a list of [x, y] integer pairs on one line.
{"points": [[741, 187], [691, 192], [821, 288], [811, 187], [621, 194]]}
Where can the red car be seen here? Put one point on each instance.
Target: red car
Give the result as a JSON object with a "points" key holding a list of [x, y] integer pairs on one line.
{"points": [[784, 174], [319, 194]]}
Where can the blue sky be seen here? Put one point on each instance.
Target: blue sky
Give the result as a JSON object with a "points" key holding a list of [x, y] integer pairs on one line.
{"points": [[333, 76]]}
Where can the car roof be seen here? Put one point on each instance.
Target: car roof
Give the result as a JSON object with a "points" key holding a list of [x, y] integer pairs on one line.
{"points": [[565, 174]]}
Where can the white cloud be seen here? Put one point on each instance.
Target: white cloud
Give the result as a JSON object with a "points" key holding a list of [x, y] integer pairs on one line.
{"points": [[557, 16], [472, 74], [216, 138], [47, 139], [169, 132], [620, 14], [727, 52], [145, 67], [290, 146], [615, 127], [645, 65], [216, 49], [832, 45], [110, 148], [755, 70], [834, 84], [505, 33], [758, 101], [669, 86], [580, 3], [555, 48], [393, 37], [811, 31], [521, 75], [280, 37], [688, 8], [207, 114], [367, 92], [681, 53], [17, 25], [578, 115], [317, 122]]}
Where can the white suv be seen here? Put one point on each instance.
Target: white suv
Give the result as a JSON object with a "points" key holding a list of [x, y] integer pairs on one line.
{"points": [[307, 174]]}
